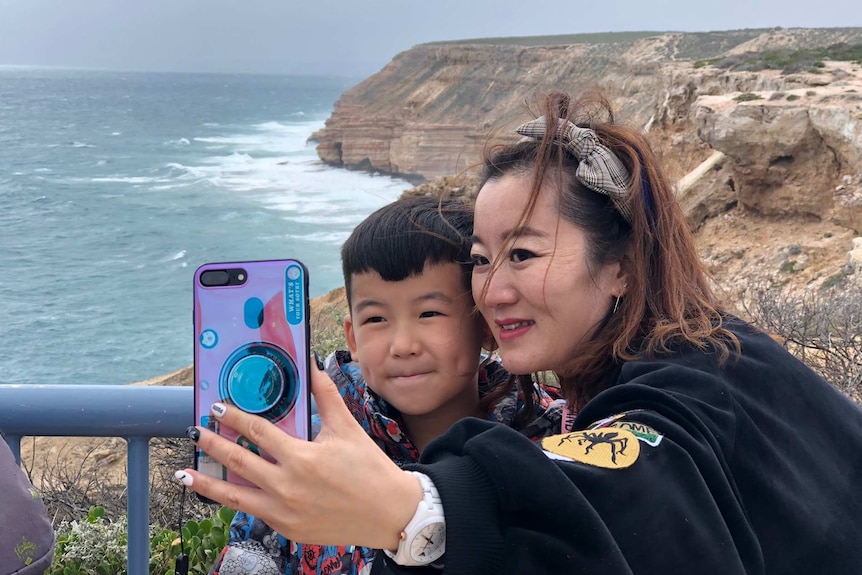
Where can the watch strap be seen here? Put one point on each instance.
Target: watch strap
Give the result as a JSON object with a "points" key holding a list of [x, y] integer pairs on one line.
{"points": [[431, 507]]}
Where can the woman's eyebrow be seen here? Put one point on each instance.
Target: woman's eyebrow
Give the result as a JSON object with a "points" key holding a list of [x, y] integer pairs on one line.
{"points": [[522, 232]]}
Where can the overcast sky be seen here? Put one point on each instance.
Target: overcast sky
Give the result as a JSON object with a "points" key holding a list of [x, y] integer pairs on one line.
{"points": [[345, 37]]}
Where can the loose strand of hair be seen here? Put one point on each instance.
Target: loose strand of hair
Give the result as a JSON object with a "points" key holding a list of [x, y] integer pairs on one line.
{"points": [[663, 253]]}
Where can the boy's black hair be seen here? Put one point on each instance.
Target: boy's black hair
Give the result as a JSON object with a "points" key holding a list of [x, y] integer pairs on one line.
{"points": [[397, 240]]}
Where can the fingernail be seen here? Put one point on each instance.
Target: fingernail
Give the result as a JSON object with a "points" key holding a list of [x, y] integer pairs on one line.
{"points": [[319, 361], [193, 433], [184, 478], [218, 409]]}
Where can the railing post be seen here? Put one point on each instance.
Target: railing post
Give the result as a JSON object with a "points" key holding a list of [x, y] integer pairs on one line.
{"points": [[14, 443], [139, 506]]}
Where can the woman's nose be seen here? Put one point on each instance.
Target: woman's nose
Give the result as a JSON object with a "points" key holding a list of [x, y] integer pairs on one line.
{"points": [[497, 289]]}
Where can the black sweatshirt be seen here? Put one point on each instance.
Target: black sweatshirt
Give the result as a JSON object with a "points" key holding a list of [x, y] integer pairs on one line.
{"points": [[683, 466]]}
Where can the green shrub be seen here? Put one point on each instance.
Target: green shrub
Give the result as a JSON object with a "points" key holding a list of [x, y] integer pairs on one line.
{"points": [[205, 540], [792, 97], [837, 279], [788, 267], [747, 97], [98, 546], [788, 60], [707, 62], [327, 328]]}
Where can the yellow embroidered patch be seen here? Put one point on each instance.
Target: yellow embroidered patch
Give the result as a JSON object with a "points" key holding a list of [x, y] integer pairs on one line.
{"points": [[609, 448]]}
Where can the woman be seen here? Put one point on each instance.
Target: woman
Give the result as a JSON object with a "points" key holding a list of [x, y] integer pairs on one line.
{"points": [[695, 443]]}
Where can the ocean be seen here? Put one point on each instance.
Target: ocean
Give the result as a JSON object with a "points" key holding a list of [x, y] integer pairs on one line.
{"points": [[116, 186]]}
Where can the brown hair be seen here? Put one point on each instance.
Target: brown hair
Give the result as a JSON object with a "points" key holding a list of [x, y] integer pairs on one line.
{"points": [[668, 300]]}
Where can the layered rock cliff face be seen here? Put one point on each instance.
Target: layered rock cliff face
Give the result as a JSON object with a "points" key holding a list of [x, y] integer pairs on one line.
{"points": [[791, 144]]}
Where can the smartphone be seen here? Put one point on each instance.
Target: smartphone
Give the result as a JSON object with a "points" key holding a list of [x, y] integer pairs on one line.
{"points": [[251, 342]]}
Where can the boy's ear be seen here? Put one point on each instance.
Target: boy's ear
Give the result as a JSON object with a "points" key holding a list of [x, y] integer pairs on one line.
{"points": [[350, 336], [488, 341]]}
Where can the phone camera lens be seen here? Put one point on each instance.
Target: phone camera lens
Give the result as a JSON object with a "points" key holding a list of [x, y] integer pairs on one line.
{"points": [[214, 278]]}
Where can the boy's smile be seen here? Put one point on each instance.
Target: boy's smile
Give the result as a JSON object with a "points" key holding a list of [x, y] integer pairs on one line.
{"points": [[418, 342], [409, 377]]}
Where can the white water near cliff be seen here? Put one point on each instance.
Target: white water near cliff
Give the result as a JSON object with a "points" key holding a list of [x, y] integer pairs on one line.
{"points": [[115, 186]]}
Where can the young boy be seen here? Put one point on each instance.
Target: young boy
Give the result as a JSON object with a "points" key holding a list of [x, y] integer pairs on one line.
{"points": [[413, 329]]}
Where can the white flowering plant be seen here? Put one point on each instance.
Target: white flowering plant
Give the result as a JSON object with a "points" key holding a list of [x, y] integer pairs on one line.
{"points": [[94, 545], [98, 545]]}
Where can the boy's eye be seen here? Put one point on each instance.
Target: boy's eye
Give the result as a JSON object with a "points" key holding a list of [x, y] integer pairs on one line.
{"points": [[374, 319], [520, 255]]}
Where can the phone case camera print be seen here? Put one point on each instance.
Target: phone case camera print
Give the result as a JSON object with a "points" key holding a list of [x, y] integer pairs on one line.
{"points": [[251, 350]]}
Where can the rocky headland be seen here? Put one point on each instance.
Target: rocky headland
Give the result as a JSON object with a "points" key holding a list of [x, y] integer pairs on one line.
{"points": [[761, 129]]}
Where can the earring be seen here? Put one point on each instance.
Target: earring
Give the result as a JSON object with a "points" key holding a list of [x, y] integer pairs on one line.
{"points": [[617, 303]]}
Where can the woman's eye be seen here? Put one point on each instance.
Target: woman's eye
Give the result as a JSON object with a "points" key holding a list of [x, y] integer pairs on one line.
{"points": [[521, 255], [477, 260], [430, 314]]}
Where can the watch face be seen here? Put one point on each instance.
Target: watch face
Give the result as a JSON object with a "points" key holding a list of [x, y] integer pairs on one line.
{"points": [[429, 544]]}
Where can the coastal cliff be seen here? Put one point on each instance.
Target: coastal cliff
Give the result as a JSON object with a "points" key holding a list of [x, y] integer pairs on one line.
{"points": [[790, 137]]}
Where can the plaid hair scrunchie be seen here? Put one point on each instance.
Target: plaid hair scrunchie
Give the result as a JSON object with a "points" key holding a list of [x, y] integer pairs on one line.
{"points": [[598, 168]]}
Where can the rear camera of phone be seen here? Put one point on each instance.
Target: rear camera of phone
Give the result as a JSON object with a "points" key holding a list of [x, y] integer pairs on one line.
{"points": [[212, 278]]}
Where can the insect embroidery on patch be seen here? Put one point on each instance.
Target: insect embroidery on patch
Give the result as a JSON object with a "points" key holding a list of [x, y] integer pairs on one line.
{"points": [[643, 432], [608, 448]]}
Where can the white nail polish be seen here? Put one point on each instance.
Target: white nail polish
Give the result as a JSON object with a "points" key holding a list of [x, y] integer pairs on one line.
{"points": [[184, 478], [218, 409]]}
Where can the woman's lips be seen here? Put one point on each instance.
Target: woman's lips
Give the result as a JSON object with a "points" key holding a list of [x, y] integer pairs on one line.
{"points": [[513, 328]]}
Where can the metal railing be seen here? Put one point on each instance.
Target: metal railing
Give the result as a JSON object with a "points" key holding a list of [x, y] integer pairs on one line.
{"points": [[135, 413]]}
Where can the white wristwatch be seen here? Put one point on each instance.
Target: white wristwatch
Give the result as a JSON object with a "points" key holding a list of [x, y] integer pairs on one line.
{"points": [[423, 541]]}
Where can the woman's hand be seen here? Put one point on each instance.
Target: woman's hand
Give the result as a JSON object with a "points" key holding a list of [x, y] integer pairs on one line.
{"points": [[339, 489]]}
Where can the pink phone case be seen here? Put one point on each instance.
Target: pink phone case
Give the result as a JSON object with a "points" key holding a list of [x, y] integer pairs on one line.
{"points": [[251, 348]]}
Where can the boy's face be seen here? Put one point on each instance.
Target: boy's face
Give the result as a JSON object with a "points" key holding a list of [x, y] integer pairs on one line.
{"points": [[417, 341]]}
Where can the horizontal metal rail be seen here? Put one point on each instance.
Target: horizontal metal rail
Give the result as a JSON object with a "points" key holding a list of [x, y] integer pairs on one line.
{"points": [[135, 413]]}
